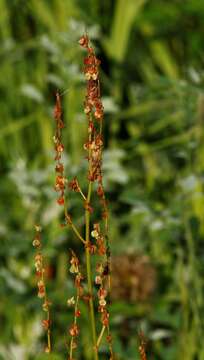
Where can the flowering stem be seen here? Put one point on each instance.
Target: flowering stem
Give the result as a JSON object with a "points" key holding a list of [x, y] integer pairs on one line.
{"points": [[89, 276], [75, 321]]}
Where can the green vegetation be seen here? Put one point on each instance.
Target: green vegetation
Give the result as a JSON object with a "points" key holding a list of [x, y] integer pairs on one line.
{"points": [[152, 86]]}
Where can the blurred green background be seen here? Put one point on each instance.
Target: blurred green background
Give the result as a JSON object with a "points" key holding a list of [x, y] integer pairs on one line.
{"points": [[152, 85]]}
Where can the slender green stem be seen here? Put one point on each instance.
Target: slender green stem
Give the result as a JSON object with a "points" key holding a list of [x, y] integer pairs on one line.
{"points": [[49, 339], [101, 336], [69, 222], [82, 194], [89, 277], [76, 232]]}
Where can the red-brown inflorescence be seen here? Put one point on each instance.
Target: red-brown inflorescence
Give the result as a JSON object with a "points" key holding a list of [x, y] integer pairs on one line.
{"points": [[74, 301], [60, 181], [94, 111], [42, 294]]}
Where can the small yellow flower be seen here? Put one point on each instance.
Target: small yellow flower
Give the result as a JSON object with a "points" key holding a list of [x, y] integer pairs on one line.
{"points": [[38, 228], [71, 301], [94, 234]]}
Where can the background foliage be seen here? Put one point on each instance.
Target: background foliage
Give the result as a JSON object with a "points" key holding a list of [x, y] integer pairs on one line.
{"points": [[152, 80]]}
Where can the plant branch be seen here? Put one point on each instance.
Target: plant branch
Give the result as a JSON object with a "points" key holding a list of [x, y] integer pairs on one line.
{"points": [[100, 336], [69, 222]]}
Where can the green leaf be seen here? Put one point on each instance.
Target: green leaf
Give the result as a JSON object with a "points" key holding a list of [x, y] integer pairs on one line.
{"points": [[124, 16]]}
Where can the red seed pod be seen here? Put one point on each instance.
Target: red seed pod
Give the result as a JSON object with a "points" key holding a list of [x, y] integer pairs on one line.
{"points": [[100, 191], [91, 176], [109, 338], [84, 41], [38, 273], [88, 207], [102, 293], [60, 182], [60, 200], [89, 60], [90, 50], [74, 330], [86, 146], [59, 168], [86, 297], [74, 185], [74, 268], [105, 321], [98, 114], [59, 148], [101, 309], [77, 313], [92, 248], [101, 250], [78, 280], [90, 127], [60, 124], [41, 293], [46, 324], [105, 318]]}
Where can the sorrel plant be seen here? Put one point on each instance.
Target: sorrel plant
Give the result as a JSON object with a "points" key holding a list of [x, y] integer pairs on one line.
{"points": [[95, 239]]}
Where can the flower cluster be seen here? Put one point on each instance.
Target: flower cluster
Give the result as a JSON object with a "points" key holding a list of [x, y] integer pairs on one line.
{"points": [[102, 293], [60, 181], [102, 270], [40, 272], [96, 233], [91, 71], [94, 148], [74, 301], [93, 108], [74, 185]]}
